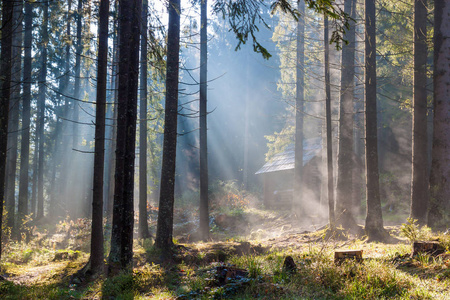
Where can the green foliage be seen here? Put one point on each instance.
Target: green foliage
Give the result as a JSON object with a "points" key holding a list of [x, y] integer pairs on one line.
{"points": [[244, 17], [120, 287], [6, 231], [278, 142], [413, 232]]}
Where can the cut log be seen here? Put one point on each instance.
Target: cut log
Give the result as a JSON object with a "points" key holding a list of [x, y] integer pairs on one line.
{"points": [[433, 248], [341, 255]]}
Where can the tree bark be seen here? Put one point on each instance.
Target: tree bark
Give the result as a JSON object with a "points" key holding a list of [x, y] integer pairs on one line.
{"points": [[5, 86], [63, 180], [420, 181], [374, 220], [331, 217], [440, 165], [345, 152], [26, 114], [121, 254], [204, 197], [96, 259], [35, 175], [14, 105], [111, 165], [77, 84], [41, 112], [164, 230], [300, 71], [143, 224]]}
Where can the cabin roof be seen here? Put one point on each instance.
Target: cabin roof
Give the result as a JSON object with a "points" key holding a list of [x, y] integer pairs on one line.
{"points": [[286, 160]]}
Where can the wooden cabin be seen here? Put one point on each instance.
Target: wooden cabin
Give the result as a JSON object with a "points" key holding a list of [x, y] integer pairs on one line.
{"points": [[278, 174]]}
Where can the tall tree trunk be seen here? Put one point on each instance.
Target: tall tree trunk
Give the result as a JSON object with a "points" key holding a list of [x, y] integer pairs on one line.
{"points": [[111, 146], [440, 165], [164, 230], [5, 85], [63, 179], [143, 224], [26, 114], [299, 99], [328, 120], [41, 112], [345, 152], [374, 220], [121, 254], [420, 181], [14, 104], [96, 259], [204, 198], [77, 85]]}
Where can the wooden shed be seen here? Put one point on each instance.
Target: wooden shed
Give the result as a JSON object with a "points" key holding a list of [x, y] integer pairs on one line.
{"points": [[278, 174]]}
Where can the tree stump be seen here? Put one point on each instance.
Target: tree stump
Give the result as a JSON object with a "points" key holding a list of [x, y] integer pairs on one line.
{"points": [[289, 265], [341, 255], [433, 248]]}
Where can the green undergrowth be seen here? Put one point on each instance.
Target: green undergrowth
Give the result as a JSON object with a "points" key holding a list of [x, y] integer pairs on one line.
{"points": [[43, 269], [387, 272]]}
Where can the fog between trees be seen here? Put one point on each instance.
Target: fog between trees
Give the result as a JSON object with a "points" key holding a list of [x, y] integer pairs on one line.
{"points": [[219, 102]]}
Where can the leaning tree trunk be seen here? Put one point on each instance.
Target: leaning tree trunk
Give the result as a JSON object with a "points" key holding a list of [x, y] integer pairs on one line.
{"points": [[164, 230], [374, 220], [26, 115], [299, 99], [41, 112], [96, 259], [440, 165], [121, 254], [419, 184], [344, 213], [5, 85], [204, 199], [143, 223]]}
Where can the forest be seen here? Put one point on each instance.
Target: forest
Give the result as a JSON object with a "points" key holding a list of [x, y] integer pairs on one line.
{"points": [[224, 149]]}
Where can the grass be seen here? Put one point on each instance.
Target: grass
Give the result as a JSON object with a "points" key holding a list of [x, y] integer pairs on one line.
{"points": [[40, 270], [317, 278]]}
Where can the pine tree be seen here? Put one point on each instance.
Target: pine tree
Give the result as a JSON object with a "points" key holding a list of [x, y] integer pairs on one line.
{"points": [[164, 230], [5, 87]]}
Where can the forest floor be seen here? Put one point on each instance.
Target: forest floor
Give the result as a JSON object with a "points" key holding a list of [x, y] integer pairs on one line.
{"points": [[244, 260]]}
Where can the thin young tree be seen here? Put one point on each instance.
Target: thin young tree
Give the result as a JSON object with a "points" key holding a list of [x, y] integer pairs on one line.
{"points": [[96, 259], [164, 229], [143, 224], [77, 83], [63, 180], [344, 215], [204, 197], [330, 180], [299, 99], [26, 114], [5, 87], [440, 165], [419, 178], [41, 111], [121, 253], [374, 220]]}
